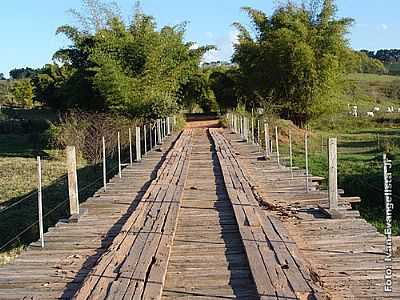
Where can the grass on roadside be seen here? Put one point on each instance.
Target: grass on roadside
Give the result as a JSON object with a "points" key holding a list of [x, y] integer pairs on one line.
{"points": [[359, 167]]}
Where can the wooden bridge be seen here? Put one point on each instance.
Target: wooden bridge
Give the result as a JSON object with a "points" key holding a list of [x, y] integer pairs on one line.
{"points": [[205, 217]]}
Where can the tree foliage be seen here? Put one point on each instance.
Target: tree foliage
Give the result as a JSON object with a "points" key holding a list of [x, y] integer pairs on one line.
{"points": [[132, 69], [22, 73], [294, 59], [365, 64], [197, 92], [22, 93], [384, 55]]}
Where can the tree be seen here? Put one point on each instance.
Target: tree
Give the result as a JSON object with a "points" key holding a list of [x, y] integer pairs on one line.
{"points": [[22, 93], [231, 88], [22, 73], [197, 92], [366, 64], [295, 59], [2, 77], [132, 69]]}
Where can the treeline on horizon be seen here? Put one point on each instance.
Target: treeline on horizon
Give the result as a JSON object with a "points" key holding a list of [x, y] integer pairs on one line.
{"points": [[292, 63]]}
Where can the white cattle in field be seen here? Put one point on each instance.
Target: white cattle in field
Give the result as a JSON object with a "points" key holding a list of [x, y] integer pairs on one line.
{"points": [[390, 109], [370, 114], [376, 109], [354, 111]]}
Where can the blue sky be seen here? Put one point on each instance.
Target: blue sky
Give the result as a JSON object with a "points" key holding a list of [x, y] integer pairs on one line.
{"points": [[27, 31]]}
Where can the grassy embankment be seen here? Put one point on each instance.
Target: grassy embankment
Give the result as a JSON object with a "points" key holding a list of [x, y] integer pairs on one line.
{"points": [[361, 142], [20, 143]]}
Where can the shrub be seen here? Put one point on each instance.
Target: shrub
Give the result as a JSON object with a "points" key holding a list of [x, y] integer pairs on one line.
{"points": [[23, 126], [393, 91]]}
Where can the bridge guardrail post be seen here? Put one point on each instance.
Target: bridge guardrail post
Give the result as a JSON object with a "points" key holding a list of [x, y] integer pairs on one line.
{"points": [[104, 165], [333, 188], [138, 146], [40, 203], [252, 130], [130, 147], [277, 146], [246, 129], [119, 155], [258, 134], [267, 142], [145, 138], [291, 153], [72, 182], [306, 158], [151, 136], [159, 141]]}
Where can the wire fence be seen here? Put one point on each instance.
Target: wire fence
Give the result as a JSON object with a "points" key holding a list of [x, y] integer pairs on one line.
{"points": [[369, 146], [19, 222]]}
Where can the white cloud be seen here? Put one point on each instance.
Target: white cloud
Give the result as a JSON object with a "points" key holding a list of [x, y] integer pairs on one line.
{"points": [[195, 46], [224, 46], [384, 26]]}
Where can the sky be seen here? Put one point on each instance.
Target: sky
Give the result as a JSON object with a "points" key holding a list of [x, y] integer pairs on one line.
{"points": [[28, 39]]}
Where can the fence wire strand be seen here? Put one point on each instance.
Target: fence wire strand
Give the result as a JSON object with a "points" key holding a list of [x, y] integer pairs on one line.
{"points": [[80, 190]]}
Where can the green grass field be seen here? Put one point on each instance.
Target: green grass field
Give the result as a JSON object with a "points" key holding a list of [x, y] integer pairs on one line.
{"points": [[18, 181], [360, 169], [361, 143]]}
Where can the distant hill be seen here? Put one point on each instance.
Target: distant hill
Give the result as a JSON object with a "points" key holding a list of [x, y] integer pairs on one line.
{"points": [[217, 64], [393, 68]]}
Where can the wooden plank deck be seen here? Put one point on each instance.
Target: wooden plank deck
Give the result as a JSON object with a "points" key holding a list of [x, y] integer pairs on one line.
{"points": [[276, 265], [206, 219], [208, 260], [72, 249], [344, 255], [135, 264]]}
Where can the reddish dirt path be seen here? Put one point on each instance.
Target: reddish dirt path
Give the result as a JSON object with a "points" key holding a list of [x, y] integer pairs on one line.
{"points": [[202, 122]]}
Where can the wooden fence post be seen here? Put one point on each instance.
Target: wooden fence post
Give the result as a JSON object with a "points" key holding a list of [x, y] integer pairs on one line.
{"points": [[258, 134], [159, 131], [138, 148], [72, 182], [130, 147], [248, 133], [156, 139], [235, 120], [266, 135], [104, 165], [291, 153], [119, 155], [252, 130], [277, 146], [245, 128], [333, 188], [306, 153], [40, 203], [240, 126], [168, 127], [151, 136], [145, 138], [164, 123]]}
